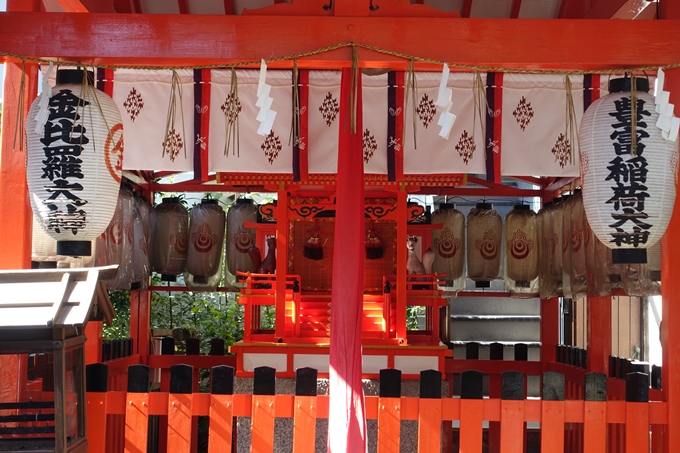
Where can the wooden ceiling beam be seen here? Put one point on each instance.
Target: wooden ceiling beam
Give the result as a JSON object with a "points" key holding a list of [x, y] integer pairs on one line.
{"points": [[187, 39]]}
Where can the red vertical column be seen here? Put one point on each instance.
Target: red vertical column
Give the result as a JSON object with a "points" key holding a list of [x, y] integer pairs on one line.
{"points": [[16, 229], [93, 345], [15, 211], [140, 323], [550, 330], [599, 333], [281, 262], [670, 291]]}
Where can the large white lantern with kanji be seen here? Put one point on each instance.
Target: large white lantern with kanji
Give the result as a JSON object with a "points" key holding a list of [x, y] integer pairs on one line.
{"points": [[74, 161], [628, 196]]}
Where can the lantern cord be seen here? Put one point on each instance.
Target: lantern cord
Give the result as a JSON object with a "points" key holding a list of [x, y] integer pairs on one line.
{"points": [[480, 104], [412, 90], [571, 124], [633, 115], [21, 107], [172, 140], [231, 114], [109, 133]]}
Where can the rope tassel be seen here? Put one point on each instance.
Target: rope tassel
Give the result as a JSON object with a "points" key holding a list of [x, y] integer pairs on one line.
{"points": [[172, 140], [19, 128], [412, 90], [231, 115], [571, 125]]}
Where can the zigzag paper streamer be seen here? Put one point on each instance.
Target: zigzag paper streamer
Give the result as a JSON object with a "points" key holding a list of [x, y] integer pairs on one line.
{"points": [[266, 116]]}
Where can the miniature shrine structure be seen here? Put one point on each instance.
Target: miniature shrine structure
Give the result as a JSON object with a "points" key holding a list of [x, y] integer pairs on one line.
{"points": [[44, 314]]}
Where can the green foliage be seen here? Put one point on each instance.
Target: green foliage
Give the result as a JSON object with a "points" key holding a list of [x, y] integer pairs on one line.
{"points": [[412, 314], [121, 323], [201, 315]]}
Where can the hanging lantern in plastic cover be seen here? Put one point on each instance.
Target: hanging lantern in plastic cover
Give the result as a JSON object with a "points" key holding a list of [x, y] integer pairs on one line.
{"points": [[604, 277], [239, 238], [484, 235], [449, 246], [644, 280], [566, 246], [171, 229], [578, 278], [557, 243], [628, 193], [141, 229], [114, 246], [81, 124], [206, 236], [547, 286], [521, 252]]}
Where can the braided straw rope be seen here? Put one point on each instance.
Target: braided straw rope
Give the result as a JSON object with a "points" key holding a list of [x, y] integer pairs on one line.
{"points": [[354, 45]]}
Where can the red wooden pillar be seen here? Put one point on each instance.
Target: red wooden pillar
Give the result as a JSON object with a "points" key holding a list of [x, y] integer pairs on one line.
{"points": [[670, 291], [15, 246], [93, 345], [281, 262], [402, 219], [550, 330], [599, 333], [140, 323]]}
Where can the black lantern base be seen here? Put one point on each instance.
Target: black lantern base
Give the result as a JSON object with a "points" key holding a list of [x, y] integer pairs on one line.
{"points": [[200, 279], [168, 278], [629, 256], [483, 284], [74, 248]]}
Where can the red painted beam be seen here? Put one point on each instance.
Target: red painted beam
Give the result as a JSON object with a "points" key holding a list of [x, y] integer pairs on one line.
{"points": [[71, 6], [188, 39]]}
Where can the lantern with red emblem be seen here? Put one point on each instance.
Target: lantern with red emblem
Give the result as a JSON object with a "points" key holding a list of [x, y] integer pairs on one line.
{"points": [[449, 246], [171, 228], [521, 252], [484, 236], [206, 236], [240, 238]]}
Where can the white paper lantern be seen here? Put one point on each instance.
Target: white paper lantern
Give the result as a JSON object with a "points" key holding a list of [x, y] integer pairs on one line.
{"points": [[74, 162], [628, 199]]}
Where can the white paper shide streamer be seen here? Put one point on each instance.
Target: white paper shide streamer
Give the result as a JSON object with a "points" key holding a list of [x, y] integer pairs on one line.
{"points": [[444, 104], [266, 116]]}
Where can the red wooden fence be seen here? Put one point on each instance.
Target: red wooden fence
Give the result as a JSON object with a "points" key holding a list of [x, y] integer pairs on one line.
{"points": [[596, 419]]}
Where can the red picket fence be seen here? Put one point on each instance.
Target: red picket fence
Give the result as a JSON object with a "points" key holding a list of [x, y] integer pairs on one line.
{"points": [[597, 419]]}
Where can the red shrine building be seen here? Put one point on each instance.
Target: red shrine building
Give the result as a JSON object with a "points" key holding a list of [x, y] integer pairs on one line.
{"points": [[423, 161]]}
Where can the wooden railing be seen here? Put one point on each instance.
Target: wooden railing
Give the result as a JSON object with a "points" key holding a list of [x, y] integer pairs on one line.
{"points": [[180, 406]]}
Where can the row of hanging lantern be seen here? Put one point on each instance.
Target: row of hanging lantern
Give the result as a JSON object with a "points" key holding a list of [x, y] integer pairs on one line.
{"points": [[171, 241], [552, 254], [488, 257], [573, 261]]}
